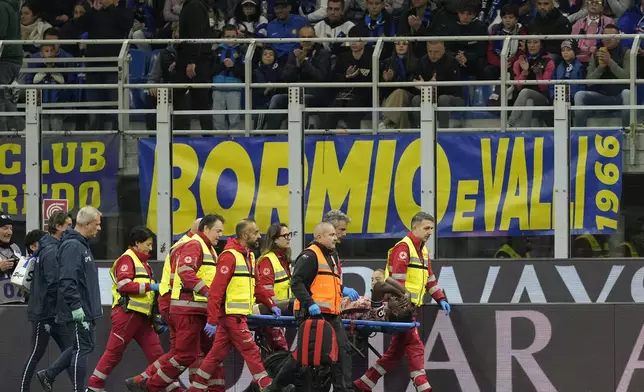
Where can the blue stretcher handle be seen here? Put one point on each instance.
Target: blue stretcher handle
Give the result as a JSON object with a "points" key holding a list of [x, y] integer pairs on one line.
{"points": [[373, 326]]}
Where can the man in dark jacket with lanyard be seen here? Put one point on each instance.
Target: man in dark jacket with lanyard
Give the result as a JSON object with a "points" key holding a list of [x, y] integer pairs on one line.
{"points": [[79, 299], [41, 310], [309, 283]]}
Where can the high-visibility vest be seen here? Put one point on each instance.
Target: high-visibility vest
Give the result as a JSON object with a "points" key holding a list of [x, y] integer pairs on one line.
{"points": [[326, 289], [206, 272], [507, 249], [240, 293], [282, 283], [141, 303], [167, 275], [631, 249], [417, 276]]}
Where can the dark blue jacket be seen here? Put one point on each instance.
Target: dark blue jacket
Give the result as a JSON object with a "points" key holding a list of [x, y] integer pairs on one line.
{"points": [[632, 22], [78, 282], [44, 286], [564, 71], [285, 29]]}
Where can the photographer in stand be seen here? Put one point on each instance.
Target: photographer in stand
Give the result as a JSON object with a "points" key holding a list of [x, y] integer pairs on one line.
{"points": [[9, 256]]}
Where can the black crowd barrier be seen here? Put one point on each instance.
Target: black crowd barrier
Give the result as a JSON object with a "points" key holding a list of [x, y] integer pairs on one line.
{"points": [[564, 345]]}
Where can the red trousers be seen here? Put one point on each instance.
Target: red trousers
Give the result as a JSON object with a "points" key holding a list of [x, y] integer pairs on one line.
{"points": [[189, 336], [275, 338], [402, 343], [125, 327], [232, 331]]}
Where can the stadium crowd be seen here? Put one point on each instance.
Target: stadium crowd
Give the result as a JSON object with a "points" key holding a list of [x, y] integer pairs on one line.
{"points": [[327, 62]]}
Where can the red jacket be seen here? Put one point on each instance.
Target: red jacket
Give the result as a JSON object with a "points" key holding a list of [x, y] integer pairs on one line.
{"points": [[125, 274], [189, 255], [225, 269], [265, 275], [399, 260]]}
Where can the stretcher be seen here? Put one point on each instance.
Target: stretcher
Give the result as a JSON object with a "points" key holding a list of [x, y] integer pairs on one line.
{"points": [[358, 329]]}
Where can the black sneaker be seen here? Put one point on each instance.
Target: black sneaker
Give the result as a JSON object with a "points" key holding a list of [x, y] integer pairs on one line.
{"points": [[133, 386], [44, 381]]}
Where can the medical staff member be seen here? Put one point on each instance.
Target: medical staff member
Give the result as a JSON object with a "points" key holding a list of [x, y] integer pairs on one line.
{"points": [[408, 262], [232, 295], [41, 309], [133, 292], [163, 301], [194, 264], [273, 273], [318, 291]]}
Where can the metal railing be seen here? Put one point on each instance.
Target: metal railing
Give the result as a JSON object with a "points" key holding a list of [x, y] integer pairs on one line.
{"points": [[428, 127]]}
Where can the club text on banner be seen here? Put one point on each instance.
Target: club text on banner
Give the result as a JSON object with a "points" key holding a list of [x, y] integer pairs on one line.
{"points": [[487, 183], [81, 169]]}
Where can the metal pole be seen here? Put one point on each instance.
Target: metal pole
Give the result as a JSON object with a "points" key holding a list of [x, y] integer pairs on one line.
{"points": [[33, 172], [295, 165], [248, 95], [505, 50], [428, 159], [633, 100], [164, 173], [561, 200], [123, 78], [375, 78]]}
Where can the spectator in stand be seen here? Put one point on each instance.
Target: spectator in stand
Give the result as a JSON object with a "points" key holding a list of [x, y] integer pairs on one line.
{"points": [[493, 12], [379, 23], [536, 64], [612, 8], [267, 71], [217, 20], [355, 10], [228, 68], [509, 26], [249, 19], [163, 71], [611, 61], [421, 20], [172, 10], [570, 68], [592, 24], [352, 67], [194, 63], [403, 66], [32, 27], [52, 122], [334, 26], [11, 58], [313, 10], [144, 26], [470, 55], [439, 65], [78, 50], [632, 22], [573, 9], [310, 63], [285, 25], [104, 21], [549, 21]]}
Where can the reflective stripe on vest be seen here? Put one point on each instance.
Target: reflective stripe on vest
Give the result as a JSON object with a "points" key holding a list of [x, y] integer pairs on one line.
{"points": [[206, 273], [282, 283], [142, 302], [417, 276], [240, 293], [326, 287], [167, 275]]}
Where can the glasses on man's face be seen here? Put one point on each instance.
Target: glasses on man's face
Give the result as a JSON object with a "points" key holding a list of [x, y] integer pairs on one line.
{"points": [[287, 236]]}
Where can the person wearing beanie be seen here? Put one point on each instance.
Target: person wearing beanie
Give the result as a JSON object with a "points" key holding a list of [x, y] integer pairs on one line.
{"points": [[9, 255], [594, 23], [509, 26], [570, 68]]}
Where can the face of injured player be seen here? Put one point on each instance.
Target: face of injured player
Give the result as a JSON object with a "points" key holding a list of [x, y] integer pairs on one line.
{"points": [[378, 276]]}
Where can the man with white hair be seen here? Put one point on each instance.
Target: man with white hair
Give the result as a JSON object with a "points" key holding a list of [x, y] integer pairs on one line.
{"points": [[79, 299]]}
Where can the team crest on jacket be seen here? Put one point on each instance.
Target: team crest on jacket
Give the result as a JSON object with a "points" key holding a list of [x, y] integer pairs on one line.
{"points": [[267, 271], [224, 269]]}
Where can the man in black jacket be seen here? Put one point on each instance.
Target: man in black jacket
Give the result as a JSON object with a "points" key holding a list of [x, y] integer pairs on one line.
{"points": [[550, 21], [305, 272], [194, 64], [79, 299], [438, 65], [41, 310], [107, 22]]}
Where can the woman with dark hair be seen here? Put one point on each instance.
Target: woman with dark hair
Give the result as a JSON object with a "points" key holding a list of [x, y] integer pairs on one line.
{"points": [[274, 274], [249, 20], [133, 289]]}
